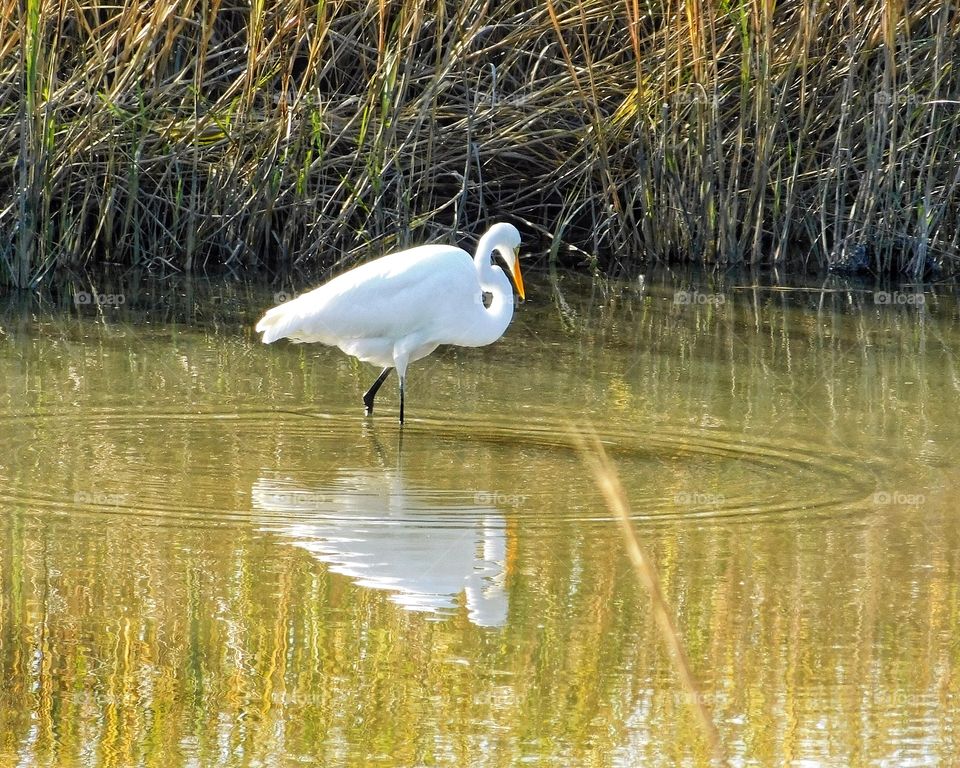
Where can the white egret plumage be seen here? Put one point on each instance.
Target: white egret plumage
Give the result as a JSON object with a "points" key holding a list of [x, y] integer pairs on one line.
{"points": [[401, 307]]}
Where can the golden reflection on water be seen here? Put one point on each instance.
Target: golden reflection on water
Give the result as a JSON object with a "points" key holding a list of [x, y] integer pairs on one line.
{"points": [[208, 556]]}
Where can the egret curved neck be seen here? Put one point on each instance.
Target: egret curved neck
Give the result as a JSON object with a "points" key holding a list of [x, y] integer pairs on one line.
{"points": [[494, 281]]}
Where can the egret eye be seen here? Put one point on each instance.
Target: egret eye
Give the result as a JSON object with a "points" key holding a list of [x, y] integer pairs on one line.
{"points": [[487, 299]]}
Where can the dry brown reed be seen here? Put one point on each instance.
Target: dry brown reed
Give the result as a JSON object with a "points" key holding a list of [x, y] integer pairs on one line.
{"points": [[200, 133], [608, 480]]}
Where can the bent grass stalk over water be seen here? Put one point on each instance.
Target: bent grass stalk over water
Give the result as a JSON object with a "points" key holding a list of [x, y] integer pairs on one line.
{"points": [[196, 134], [608, 480]]}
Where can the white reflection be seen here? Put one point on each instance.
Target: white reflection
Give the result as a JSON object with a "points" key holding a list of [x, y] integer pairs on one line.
{"points": [[425, 547]]}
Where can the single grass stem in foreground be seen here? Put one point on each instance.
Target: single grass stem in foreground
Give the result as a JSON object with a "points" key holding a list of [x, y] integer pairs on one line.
{"points": [[608, 480]]}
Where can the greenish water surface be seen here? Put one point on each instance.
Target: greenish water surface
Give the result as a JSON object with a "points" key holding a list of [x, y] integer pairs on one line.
{"points": [[209, 556]]}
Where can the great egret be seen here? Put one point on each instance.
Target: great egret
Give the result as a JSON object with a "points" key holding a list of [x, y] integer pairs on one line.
{"points": [[402, 306]]}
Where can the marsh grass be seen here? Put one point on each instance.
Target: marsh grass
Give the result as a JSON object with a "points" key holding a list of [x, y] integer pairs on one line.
{"points": [[608, 481], [202, 134]]}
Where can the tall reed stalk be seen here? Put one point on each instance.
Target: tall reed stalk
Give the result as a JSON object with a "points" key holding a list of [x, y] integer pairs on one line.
{"points": [[196, 134], [608, 480]]}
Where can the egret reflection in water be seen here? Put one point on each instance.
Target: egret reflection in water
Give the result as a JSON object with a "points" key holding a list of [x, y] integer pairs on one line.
{"points": [[425, 547]]}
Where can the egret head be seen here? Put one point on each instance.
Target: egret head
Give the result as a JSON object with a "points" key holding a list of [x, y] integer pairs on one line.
{"points": [[504, 241]]}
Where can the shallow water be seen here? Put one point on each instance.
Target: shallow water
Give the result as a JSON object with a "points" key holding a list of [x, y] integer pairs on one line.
{"points": [[210, 557]]}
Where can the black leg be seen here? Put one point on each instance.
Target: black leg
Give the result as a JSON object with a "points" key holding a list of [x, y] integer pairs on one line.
{"points": [[374, 388], [401, 400]]}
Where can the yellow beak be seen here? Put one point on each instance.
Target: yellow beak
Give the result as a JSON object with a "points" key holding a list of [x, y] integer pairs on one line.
{"points": [[517, 277]]}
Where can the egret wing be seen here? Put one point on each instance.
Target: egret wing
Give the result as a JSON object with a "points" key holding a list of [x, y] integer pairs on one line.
{"points": [[388, 298]]}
